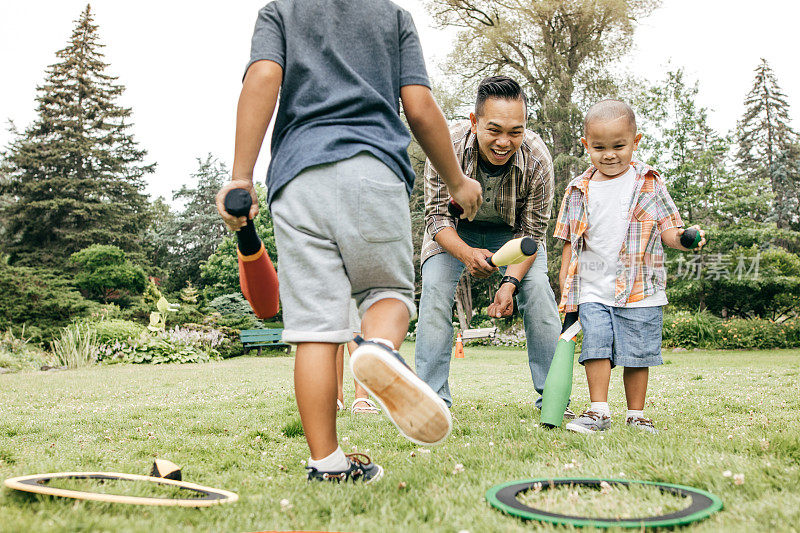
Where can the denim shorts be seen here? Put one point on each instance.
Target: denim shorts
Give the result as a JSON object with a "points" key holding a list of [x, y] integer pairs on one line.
{"points": [[630, 337]]}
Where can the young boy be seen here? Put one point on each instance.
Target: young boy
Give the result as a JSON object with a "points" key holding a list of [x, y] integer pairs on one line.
{"points": [[614, 219], [338, 187]]}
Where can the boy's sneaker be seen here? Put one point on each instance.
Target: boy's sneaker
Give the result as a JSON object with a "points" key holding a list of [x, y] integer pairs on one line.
{"points": [[361, 469], [644, 424], [569, 414], [590, 422], [417, 411]]}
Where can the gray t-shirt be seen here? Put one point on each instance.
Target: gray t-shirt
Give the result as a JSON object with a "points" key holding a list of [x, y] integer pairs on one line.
{"points": [[344, 62], [490, 184]]}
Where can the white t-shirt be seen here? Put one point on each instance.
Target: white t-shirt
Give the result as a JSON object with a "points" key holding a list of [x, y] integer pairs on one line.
{"points": [[608, 203]]}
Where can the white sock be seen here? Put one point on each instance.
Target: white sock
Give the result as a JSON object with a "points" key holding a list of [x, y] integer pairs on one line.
{"points": [[634, 414], [385, 342], [600, 408], [335, 462]]}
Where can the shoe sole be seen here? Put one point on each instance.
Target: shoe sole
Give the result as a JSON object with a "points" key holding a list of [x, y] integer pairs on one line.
{"points": [[412, 406], [376, 477]]}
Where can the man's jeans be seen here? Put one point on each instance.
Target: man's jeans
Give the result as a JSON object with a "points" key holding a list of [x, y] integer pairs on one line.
{"points": [[535, 300]]}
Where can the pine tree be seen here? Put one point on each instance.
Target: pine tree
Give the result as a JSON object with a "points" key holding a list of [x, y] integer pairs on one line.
{"points": [[767, 144], [189, 294], [75, 176], [197, 230], [692, 157]]}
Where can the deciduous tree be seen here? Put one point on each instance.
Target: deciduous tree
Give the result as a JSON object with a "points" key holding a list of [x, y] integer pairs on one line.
{"points": [[559, 50]]}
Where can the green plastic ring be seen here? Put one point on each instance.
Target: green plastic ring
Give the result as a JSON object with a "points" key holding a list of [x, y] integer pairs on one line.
{"points": [[504, 497]]}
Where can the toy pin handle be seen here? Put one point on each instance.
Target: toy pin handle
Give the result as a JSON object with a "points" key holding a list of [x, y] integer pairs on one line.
{"points": [[238, 202], [690, 238], [454, 209]]}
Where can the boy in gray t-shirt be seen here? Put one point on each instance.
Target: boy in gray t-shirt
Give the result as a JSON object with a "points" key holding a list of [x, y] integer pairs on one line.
{"points": [[338, 186]]}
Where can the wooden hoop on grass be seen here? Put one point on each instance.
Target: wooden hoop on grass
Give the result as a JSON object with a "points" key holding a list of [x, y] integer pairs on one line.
{"points": [[35, 483]]}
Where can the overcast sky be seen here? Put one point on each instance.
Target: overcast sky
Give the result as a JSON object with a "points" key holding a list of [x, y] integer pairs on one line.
{"points": [[182, 62]]}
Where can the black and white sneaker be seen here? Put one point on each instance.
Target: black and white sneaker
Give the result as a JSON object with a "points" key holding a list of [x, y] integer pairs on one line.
{"points": [[361, 469], [415, 409]]}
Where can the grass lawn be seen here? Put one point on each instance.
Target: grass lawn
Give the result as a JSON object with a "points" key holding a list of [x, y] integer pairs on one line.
{"points": [[234, 425]]}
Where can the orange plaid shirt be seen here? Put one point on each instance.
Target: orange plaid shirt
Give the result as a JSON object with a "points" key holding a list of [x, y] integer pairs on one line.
{"points": [[640, 269]]}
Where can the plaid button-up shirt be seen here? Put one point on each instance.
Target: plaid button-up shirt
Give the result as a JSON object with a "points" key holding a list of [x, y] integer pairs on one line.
{"points": [[640, 269], [524, 199]]}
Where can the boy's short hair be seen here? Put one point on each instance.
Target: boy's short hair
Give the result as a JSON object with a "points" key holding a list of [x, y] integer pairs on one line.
{"points": [[502, 87], [609, 109]]}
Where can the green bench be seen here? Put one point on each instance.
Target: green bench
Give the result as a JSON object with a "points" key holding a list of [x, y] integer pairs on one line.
{"points": [[259, 338]]}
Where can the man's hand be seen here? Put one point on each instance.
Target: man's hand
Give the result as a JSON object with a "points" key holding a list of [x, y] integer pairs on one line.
{"points": [[503, 304], [468, 195], [475, 261], [430, 128], [236, 223]]}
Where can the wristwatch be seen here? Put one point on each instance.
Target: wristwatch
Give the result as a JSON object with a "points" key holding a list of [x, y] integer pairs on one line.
{"points": [[513, 280]]}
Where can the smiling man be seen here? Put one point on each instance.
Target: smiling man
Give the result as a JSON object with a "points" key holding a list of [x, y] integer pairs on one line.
{"points": [[515, 171]]}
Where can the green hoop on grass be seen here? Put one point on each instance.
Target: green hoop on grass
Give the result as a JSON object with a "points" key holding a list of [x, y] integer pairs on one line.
{"points": [[504, 497]]}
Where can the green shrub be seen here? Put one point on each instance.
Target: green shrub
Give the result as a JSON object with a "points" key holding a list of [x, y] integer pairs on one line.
{"points": [[690, 330], [236, 311], [136, 310], [77, 347], [744, 282], [239, 322], [107, 275], [223, 339], [18, 353], [155, 350], [187, 314], [40, 300], [758, 334], [192, 343], [112, 330], [703, 330]]}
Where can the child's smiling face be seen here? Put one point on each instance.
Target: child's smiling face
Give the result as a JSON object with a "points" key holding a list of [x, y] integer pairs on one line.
{"points": [[611, 144]]}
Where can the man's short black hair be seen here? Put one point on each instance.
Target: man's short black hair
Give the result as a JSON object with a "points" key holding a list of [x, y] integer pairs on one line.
{"points": [[501, 87]]}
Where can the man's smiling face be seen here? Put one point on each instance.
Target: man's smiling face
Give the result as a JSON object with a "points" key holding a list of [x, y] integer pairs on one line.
{"points": [[500, 129]]}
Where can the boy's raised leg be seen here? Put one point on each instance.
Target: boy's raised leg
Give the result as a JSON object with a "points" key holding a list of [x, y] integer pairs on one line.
{"points": [[386, 319], [416, 410]]}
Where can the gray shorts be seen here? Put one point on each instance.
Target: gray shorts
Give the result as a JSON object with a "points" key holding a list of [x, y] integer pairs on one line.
{"points": [[629, 336], [355, 318], [342, 230]]}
